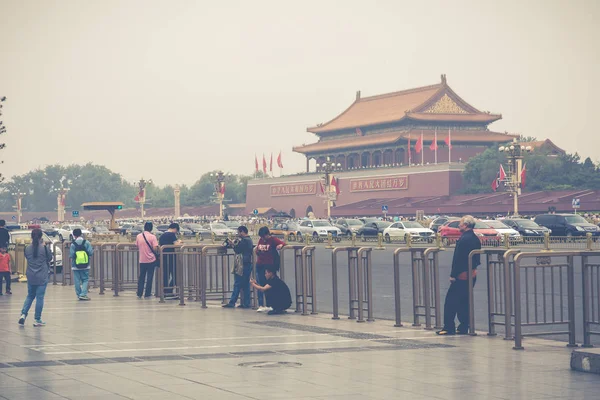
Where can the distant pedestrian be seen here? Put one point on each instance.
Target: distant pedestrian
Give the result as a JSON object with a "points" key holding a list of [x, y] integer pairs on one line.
{"points": [[169, 238], [457, 298], [38, 269], [148, 247], [243, 248], [4, 235], [80, 253], [278, 295], [5, 268], [267, 255]]}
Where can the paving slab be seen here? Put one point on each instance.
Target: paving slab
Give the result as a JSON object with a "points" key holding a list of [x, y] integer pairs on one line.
{"points": [[125, 348]]}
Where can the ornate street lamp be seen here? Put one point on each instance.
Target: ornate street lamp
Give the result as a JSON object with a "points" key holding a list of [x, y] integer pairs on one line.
{"points": [[141, 197], [219, 180], [61, 197], [327, 168], [514, 154], [19, 207]]}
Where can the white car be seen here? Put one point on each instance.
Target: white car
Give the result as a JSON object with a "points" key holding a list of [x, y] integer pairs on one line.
{"points": [[220, 229], [65, 232], [24, 236], [502, 228], [398, 230], [318, 229]]}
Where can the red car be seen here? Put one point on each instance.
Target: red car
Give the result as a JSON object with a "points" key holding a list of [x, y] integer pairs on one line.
{"points": [[450, 232]]}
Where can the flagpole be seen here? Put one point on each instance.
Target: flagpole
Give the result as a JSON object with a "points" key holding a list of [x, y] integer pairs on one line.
{"points": [[449, 147], [422, 150], [435, 138]]}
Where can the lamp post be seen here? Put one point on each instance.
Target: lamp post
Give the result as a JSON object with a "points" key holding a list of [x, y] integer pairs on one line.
{"points": [[219, 179], [327, 168], [141, 197], [514, 154], [19, 207], [61, 197], [177, 195]]}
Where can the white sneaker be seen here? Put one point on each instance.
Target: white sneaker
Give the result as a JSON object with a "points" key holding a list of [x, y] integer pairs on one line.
{"points": [[267, 309], [261, 309], [22, 319]]}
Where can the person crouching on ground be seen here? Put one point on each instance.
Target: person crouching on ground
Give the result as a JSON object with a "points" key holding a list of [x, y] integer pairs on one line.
{"points": [[457, 299], [80, 252], [276, 291], [267, 255]]}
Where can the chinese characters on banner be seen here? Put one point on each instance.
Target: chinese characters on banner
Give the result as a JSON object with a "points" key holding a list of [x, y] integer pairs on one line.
{"points": [[294, 189], [374, 184]]}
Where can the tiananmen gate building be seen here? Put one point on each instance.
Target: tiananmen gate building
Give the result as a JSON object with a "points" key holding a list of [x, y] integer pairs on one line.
{"points": [[408, 144]]}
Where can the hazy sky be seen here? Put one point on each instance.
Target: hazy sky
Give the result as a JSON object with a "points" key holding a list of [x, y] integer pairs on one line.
{"points": [[170, 89]]}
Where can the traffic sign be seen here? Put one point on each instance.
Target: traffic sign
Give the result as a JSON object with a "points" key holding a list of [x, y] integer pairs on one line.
{"points": [[576, 203], [75, 213], [384, 208], [255, 212], [13, 217]]}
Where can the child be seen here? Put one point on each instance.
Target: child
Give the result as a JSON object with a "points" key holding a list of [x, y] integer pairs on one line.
{"points": [[5, 263], [276, 291]]}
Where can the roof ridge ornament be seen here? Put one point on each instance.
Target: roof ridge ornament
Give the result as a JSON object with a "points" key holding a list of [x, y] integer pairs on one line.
{"points": [[444, 79], [357, 95]]}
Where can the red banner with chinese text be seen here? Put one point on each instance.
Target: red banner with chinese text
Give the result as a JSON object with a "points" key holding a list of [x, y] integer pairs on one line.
{"points": [[294, 189], [379, 183]]}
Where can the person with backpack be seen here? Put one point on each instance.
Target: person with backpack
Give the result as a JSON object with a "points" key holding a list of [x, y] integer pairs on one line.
{"points": [[147, 245], [80, 253], [267, 255], [38, 270]]}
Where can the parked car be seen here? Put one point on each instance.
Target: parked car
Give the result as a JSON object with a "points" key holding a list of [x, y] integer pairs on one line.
{"points": [[526, 227], [123, 228], [502, 229], [348, 226], [220, 229], [100, 230], [66, 232], [439, 221], [450, 232], [186, 232], [25, 236], [199, 229], [286, 231], [49, 230], [399, 230], [318, 229], [372, 229], [232, 224], [366, 220], [567, 225]]}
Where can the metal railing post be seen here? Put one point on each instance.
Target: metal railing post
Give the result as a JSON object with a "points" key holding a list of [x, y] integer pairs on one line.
{"points": [[334, 281], [508, 287], [471, 294], [397, 304], [369, 287], [329, 241], [517, 291], [547, 241], [379, 242], [427, 291], [571, 294], [589, 241], [353, 239], [587, 293], [360, 283]]}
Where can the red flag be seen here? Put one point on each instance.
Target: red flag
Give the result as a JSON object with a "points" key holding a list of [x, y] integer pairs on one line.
{"points": [[271, 163], [419, 144], [222, 188], [495, 182], [279, 163], [501, 173], [448, 140], [334, 183], [136, 198], [256, 163], [264, 164], [141, 194], [434, 146], [523, 175], [321, 187], [359, 132]]}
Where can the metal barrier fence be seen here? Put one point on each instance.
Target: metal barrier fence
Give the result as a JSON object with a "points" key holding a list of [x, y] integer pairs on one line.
{"points": [[360, 282], [590, 279], [538, 294], [126, 268], [425, 285]]}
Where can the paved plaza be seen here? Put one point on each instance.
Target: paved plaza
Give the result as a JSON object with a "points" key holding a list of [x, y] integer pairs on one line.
{"points": [[125, 348]]}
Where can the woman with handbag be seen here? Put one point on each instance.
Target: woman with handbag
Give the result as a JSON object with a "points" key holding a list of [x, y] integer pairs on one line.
{"points": [[148, 247], [38, 269]]}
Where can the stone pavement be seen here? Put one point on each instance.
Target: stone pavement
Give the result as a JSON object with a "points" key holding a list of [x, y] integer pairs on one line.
{"points": [[125, 348]]}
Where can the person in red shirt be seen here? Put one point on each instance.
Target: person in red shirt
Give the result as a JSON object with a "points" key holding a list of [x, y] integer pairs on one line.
{"points": [[267, 255], [5, 262]]}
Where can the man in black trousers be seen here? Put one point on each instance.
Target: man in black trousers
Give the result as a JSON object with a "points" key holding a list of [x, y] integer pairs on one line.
{"points": [[457, 298]]}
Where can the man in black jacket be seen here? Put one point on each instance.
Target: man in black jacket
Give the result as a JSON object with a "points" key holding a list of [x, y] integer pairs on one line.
{"points": [[457, 298], [244, 247]]}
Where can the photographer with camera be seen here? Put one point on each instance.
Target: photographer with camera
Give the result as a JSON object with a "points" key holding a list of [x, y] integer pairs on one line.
{"points": [[243, 247]]}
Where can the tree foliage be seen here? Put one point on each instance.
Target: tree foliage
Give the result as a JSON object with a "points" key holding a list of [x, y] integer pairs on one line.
{"points": [[544, 171], [92, 182]]}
